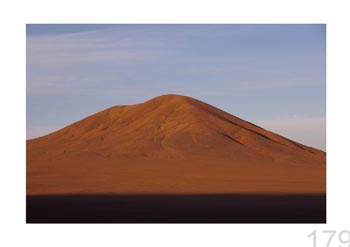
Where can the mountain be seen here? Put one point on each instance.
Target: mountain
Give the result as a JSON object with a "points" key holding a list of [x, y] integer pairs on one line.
{"points": [[170, 144]]}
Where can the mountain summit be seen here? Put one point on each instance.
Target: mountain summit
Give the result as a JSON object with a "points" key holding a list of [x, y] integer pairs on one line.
{"points": [[170, 144]]}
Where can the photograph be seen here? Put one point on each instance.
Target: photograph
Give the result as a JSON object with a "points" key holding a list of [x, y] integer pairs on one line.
{"points": [[175, 123]]}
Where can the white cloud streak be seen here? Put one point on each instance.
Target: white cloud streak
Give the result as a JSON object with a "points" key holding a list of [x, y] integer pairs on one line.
{"points": [[308, 131]]}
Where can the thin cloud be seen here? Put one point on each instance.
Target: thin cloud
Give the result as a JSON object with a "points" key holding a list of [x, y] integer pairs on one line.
{"points": [[307, 130]]}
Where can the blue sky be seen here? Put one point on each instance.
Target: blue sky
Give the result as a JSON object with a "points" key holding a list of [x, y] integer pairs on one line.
{"points": [[271, 75]]}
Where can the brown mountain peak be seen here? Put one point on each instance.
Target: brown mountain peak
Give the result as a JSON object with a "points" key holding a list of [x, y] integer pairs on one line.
{"points": [[170, 129], [169, 125]]}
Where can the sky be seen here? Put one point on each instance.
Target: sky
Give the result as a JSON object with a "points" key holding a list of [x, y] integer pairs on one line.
{"points": [[271, 75]]}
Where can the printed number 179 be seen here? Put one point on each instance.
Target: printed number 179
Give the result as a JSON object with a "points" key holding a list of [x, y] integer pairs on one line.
{"points": [[343, 238]]}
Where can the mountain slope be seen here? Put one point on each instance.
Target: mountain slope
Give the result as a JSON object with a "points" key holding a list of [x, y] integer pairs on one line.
{"points": [[170, 144]]}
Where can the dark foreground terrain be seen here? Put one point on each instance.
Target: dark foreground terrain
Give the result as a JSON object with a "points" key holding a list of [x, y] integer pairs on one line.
{"points": [[176, 209]]}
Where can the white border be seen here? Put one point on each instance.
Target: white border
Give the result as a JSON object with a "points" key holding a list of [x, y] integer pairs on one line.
{"points": [[14, 16]]}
